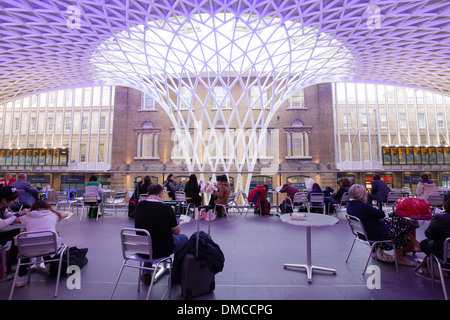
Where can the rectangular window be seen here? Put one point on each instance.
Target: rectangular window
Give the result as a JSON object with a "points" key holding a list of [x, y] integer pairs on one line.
{"points": [[147, 101], [102, 123], [85, 124], [83, 152], [67, 124], [50, 124]]}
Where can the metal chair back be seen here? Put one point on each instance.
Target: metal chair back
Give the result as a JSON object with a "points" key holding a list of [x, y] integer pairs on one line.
{"points": [[136, 241], [180, 196], [61, 196], [436, 199], [90, 198]]}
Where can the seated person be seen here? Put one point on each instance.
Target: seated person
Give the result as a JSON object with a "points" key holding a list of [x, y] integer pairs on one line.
{"points": [[437, 231], [220, 195], [258, 196], [315, 189], [27, 193], [335, 197], [7, 197], [379, 191], [93, 186], [41, 217], [425, 187], [143, 186], [192, 191], [378, 227], [290, 190], [160, 221]]}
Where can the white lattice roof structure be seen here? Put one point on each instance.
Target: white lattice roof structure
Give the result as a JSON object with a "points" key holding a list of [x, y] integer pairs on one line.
{"points": [[55, 43], [276, 46]]}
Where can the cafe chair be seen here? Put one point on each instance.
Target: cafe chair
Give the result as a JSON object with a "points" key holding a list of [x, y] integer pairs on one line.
{"points": [[338, 206], [436, 200], [300, 200], [247, 204], [317, 200], [136, 250], [181, 196], [119, 201], [34, 246], [4, 249], [143, 197], [225, 207], [90, 200], [63, 201], [442, 264], [391, 200], [360, 235]]}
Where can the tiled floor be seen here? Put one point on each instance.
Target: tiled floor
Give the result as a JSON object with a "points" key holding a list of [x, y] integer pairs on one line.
{"points": [[255, 250]]}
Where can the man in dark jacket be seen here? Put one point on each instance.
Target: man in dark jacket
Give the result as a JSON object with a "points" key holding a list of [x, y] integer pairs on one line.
{"points": [[160, 221], [437, 232], [379, 191]]}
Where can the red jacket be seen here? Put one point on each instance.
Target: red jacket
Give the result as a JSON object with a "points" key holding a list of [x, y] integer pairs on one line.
{"points": [[253, 196]]}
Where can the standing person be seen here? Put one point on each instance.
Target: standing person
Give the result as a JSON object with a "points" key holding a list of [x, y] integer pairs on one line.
{"points": [[171, 186], [160, 221], [41, 217], [379, 191], [425, 187], [192, 190], [7, 180], [27, 193]]}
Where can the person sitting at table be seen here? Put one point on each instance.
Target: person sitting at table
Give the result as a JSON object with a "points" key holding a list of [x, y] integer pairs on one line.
{"points": [[425, 187], [258, 197], [438, 230], [335, 197], [7, 180], [379, 191], [160, 221], [192, 191], [27, 193], [378, 227], [40, 217], [290, 190], [7, 197], [315, 189], [143, 187], [219, 196], [93, 186]]}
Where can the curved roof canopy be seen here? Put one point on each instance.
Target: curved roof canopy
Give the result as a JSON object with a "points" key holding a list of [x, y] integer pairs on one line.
{"points": [[47, 44]]}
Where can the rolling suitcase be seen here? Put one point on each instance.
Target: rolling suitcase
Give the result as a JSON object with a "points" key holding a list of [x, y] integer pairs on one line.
{"points": [[196, 278]]}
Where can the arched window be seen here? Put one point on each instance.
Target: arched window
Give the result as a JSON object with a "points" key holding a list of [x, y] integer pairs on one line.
{"points": [[297, 140], [147, 141]]}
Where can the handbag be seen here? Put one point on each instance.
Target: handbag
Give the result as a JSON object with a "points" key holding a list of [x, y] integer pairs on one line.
{"points": [[414, 208], [76, 257]]}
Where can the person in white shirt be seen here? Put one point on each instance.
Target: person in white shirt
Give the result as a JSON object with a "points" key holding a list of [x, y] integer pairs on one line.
{"points": [[41, 217]]}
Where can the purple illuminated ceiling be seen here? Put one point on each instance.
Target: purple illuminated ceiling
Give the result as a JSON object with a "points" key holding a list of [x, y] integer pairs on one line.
{"points": [[53, 44]]}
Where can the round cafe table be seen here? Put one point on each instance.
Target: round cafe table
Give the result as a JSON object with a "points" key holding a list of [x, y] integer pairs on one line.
{"points": [[312, 220]]}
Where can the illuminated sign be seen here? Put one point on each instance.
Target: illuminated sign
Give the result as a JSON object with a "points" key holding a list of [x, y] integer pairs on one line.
{"points": [[34, 157]]}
